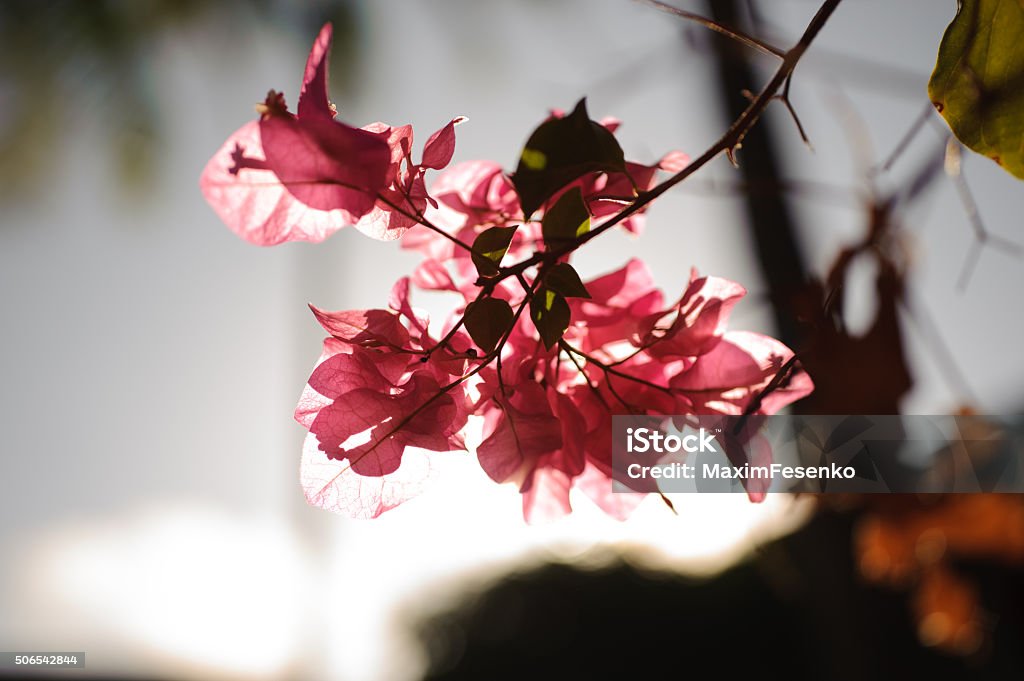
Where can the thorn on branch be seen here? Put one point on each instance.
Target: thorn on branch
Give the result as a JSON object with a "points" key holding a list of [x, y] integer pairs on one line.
{"points": [[784, 98], [730, 153]]}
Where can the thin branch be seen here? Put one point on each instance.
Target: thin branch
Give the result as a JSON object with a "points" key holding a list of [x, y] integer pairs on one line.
{"points": [[422, 219], [970, 263], [927, 172], [784, 98], [788, 103], [919, 122], [735, 34], [731, 140], [777, 380], [733, 137], [829, 64], [954, 169], [932, 337], [569, 350], [611, 370], [447, 337], [727, 143], [593, 386]]}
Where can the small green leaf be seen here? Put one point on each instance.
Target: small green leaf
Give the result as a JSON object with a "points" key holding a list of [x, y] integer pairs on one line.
{"points": [[487, 320], [978, 82], [561, 150], [567, 220], [489, 248], [550, 314], [564, 279]]}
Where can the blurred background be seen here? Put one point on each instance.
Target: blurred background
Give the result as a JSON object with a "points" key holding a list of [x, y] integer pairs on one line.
{"points": [[150, 512]]}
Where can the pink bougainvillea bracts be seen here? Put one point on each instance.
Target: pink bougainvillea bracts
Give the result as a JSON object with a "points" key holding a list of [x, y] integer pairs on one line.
{"points": [[532, 362], [304, 176]]}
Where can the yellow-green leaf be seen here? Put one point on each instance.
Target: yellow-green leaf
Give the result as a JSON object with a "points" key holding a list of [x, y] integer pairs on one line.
{"points": [[567, 220], [563, 278], [978, 82], [489, 248], [487, 320], [550, 314], [561, 150]]}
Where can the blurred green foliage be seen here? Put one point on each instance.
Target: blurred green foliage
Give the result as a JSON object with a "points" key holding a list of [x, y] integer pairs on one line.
{"points": [[65, 64]]}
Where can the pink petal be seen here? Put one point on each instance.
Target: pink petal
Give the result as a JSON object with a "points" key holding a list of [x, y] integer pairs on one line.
{"points": [[573, 431], [674, 161], [333, 485], [619, 301], [370, 428], [727, 378], [514, 437], [598, 487], [326, 164], [254, 204], [311, 402], [609, 122], [398, 300], [370, 328], [439, 149], [546, 497], [432, 275], [474, 192], [278, 180], [702, 319], [385, 222], [623, 286], [313, 99], [372, 369], [399, 140]]}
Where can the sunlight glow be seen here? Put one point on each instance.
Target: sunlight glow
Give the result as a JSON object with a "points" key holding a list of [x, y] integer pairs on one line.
{"points": [[467, 530], [193, 585]]}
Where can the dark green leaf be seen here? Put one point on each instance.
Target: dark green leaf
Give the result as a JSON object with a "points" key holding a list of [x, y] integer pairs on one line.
{"points": [[550, 314], [978, 82], [487, 320], [491, 245], [567, 220], [564, 279], [561, 150]]}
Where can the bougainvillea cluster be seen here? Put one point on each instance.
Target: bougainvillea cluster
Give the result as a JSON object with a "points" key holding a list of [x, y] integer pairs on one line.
{"points": [[532, 362]]}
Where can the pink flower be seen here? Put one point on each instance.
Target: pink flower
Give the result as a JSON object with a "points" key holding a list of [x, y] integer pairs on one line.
{"points": [[404, 200], [475, 193], [302, 177], [540, 360], [618, 304], [385, 393], [374, 403], [700, 319]]}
